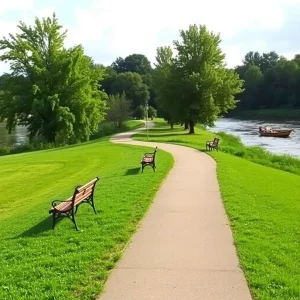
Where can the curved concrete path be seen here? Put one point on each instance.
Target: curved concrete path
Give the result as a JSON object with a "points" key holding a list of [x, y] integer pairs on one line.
{"points": [[183, 249]]}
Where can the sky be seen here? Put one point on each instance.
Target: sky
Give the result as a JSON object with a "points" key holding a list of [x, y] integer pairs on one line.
{"points": [[108, 29]]}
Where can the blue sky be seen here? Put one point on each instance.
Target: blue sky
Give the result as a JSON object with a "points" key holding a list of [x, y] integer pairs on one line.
{"points": [[108, 29]]}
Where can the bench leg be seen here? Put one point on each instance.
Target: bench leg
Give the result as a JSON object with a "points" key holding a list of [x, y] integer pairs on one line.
{"points": [[73, 219], [53, 220], [143, 166], [93, 205]]}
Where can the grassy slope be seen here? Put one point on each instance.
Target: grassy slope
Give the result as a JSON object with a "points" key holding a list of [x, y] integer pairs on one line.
{"points": [[263, 207], [39, 263], [105, 129]]}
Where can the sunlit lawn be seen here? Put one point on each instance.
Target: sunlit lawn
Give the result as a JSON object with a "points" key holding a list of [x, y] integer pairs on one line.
{"points": [[263, 205], [39, 263]]}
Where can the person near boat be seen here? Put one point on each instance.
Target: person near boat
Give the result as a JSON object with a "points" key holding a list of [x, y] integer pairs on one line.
{"points": [[269, 131]]}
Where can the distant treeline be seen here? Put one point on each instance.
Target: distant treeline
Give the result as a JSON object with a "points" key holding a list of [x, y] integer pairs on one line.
{"points": [[270, 81]]}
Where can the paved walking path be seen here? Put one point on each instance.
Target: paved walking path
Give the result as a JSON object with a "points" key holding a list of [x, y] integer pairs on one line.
{"points": [[183, 249]]}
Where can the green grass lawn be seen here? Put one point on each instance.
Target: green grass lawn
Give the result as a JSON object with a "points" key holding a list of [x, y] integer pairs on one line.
{"points": [[39, 263], [263, 205]]}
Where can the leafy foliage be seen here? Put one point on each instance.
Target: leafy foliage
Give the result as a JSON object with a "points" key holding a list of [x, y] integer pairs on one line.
{"points": [[119, 109], [132, 85], [152, 112], [271, 81], [195, 86], [52, 90], [136, 63]]}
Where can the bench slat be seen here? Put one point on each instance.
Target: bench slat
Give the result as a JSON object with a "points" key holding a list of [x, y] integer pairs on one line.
{"points": [[80, 194]]}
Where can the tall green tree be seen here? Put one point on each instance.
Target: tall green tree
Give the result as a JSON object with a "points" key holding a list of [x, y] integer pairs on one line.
{"points": [[162, 79], [119, 109], [253, 79], [252, 58], [132, 85], [53, 91], [202, 87], [268, 60], [135, 63]]}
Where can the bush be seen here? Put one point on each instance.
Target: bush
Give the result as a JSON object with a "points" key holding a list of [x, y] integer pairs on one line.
{"points": [[4, 150]]}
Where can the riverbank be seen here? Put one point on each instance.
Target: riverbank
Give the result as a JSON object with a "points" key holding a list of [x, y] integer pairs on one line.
{"points": [[40, 263], [105, 129], [266, 114], [260, 201]]}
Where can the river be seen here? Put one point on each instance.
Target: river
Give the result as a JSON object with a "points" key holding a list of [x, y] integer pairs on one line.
{"points": [[247, 130], [16, 138]]}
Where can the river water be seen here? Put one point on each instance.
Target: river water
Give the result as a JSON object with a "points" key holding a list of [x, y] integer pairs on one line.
{"points": [[16, 138], [247, 130]]}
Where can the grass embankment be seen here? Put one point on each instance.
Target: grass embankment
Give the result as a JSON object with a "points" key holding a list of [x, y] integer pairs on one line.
{"points": [[39, 263], [105, 129], [263, 206], [267, 114]]}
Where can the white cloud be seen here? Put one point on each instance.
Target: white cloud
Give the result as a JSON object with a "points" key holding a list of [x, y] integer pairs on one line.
{"points": [[125, 27], [13, 5], [111, 28]]}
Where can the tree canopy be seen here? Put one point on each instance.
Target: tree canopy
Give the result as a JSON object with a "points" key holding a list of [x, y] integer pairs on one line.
{"points": [[135, 63], [119, 109], [52, 90], [271, 81], [195, 86]]}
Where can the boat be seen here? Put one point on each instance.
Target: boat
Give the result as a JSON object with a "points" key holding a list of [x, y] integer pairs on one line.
{"points": [[269, 131]]}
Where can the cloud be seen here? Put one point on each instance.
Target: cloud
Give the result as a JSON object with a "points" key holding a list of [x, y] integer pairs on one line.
{"points": [[110, 28], [13, 5], [125, 27]]}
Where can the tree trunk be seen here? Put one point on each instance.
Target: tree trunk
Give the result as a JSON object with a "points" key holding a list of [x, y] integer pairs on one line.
{"points": [[172, 125], [192, 127], [186, 125]]}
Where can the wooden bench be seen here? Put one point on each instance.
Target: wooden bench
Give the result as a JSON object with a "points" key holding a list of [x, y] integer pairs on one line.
{"points": [[149, 160], [68, 208], [210, 145]]}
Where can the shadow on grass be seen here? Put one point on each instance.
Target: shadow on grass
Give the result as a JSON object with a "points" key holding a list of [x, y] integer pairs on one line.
{"points": [[42, 227], [133, 171]]}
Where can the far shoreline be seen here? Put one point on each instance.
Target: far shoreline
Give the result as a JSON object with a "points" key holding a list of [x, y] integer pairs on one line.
{"points": [[265, 114]]}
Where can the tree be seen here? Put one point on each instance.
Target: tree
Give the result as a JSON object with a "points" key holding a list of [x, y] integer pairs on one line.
{"points": [[108, 79], [202, 88], [268, 60], [53, 91], [139, 112], [136, 63], [253, 78], [252, 58], [132, 85], [163, 84], [152, 113], [119, 109], [297, 59]]}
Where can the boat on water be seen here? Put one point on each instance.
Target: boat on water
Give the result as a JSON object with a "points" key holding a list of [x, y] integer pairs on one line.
{"points": [[269, 131]]}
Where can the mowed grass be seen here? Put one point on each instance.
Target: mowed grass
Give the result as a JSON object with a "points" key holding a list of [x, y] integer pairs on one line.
{"points": [[39, 263], [263, 205]]}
